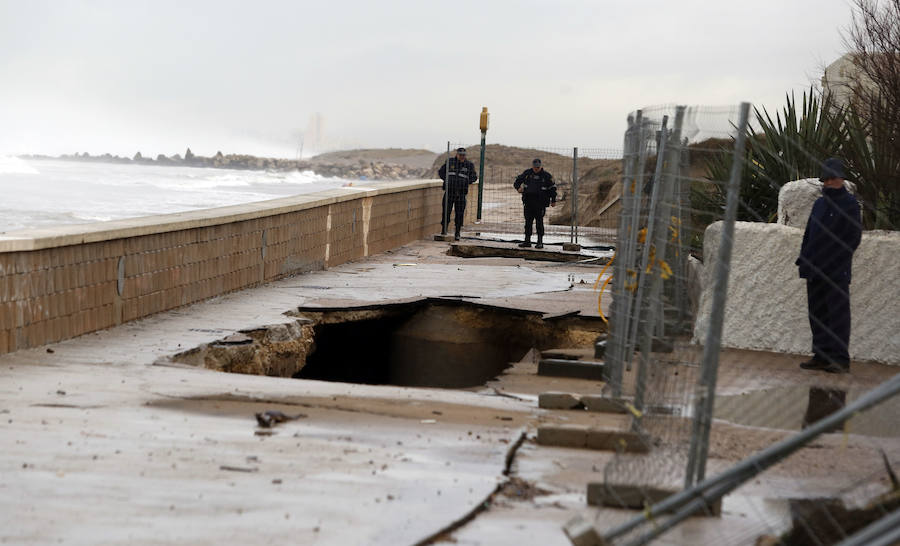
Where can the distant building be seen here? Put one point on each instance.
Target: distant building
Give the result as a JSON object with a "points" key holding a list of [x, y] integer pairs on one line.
{"points": [[840, 77], [314, 139]]}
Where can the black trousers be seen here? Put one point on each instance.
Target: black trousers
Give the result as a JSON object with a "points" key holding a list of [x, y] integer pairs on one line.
{"points": [[534, 213], [829, 319], [458, 205]]}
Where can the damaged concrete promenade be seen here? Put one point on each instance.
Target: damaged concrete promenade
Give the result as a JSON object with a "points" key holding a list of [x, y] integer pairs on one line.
{"points": [[113, 438], [104, 442]]}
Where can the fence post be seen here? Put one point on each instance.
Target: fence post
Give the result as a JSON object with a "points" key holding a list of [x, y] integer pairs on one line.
{"points": [[625, 237], [632, 241], [481, 166], [574, 196], [649, 307], [640, 266], [446, 212], [618, 325], [681, 247], [709, 368], [670, 201]]}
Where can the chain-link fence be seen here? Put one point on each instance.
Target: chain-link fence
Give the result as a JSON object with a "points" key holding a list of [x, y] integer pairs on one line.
{"points": [[705, 314]]}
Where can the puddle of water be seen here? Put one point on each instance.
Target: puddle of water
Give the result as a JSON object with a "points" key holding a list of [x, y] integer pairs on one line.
{"points": [[549, 239], [773, 515], [789, 408]]}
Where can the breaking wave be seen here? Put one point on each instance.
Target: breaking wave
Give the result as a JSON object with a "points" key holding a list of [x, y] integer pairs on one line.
{"points": [[41, 193], [15, 165]]}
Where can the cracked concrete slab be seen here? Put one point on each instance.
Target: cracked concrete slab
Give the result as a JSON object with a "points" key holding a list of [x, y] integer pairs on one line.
{"points": [[101, 444]]}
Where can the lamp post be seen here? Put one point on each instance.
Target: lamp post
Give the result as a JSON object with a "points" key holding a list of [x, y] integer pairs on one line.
{"points": [[483, 125]]}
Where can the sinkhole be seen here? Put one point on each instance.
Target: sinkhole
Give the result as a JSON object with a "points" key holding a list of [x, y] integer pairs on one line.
{"points": [[432, 342]]}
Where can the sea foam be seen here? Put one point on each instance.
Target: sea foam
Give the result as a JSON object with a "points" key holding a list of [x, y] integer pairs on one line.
{"points": [[15, 165]]}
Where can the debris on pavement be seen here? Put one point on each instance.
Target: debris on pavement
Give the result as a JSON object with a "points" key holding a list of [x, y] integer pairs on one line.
{"points": [[269, 418]]}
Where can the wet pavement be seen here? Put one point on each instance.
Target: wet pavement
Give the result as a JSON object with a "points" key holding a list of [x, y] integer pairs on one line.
{"points": [[106, 440]]}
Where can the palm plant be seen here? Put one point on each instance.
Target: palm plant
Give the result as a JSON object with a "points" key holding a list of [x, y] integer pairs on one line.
{"points": [[788, 147], [794, 148]]}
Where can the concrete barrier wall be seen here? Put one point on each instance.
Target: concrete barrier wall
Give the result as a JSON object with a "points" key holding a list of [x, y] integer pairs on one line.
{"points": [[766, 307], [58, 283]]}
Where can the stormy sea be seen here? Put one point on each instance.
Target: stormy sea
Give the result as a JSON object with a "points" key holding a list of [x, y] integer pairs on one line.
{"points": [[42, 193]]}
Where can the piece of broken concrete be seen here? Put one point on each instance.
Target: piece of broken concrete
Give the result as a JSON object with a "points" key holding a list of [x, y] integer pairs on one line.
{"points": [[489, 250], [237, 338], [567, 353], [606, 404], [582, 532], [558, 400], [269, 418], [577, 369], [636, 497], [600, 348], [581, 436], [562, 435]]}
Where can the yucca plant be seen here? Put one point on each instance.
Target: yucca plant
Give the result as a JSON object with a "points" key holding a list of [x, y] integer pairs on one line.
{"points": [[789, 147], [794, 147], [757, 201]]}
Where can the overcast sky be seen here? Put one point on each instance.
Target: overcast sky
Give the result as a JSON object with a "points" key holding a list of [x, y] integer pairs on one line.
{"points": [[122, 76]]}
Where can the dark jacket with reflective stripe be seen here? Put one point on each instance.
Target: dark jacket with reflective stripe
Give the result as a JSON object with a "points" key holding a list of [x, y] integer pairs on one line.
{"points": [[462, 173], [540, 189], [832, 234]]}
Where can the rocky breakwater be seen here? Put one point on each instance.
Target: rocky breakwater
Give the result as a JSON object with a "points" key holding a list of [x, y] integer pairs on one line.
{"points": [[359, 169]]}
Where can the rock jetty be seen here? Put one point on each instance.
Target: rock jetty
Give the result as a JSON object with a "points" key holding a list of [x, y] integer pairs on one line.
{"points": [[364, 169]]}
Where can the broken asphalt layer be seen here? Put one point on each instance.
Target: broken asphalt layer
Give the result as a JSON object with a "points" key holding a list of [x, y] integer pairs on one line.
{"points": [[101, 446], [106, 440]]}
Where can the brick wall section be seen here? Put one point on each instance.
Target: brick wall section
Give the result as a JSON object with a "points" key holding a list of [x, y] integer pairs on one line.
{"points": [[58, 283]]}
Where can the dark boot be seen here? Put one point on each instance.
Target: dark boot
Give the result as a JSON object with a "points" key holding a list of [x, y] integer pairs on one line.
{"points": [[540, 243], [814, 363], [526, 244], [456, 234], [837, 367]]}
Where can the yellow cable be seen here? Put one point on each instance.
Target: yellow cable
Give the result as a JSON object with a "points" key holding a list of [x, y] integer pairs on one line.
{"points": [[600, 296], [600, 300], [602, 271]]}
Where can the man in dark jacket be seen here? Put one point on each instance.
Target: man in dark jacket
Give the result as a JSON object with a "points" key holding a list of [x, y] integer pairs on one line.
{"points": [[832, 234], [456, 187], [538, 190]]}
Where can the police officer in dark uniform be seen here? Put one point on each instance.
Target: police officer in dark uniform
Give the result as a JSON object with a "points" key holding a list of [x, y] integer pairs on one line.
{"points": [[832, 234], [538, 190], [456, 187]]}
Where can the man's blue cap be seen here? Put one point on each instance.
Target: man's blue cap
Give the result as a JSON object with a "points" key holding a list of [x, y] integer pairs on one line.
{"points": [[833, 167]]}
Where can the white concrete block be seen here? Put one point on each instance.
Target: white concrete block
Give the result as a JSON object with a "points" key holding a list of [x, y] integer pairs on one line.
{"points": [[766, 307], [796, 198]]}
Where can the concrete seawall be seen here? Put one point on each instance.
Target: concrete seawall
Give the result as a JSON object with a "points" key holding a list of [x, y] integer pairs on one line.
{"points": [[58, 283]]}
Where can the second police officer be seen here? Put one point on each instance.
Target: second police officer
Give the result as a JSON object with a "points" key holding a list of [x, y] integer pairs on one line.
{"points": [[538, 190]]}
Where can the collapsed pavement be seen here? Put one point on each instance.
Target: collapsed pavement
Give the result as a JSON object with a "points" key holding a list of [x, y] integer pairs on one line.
{"points": [[108, 438]]}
